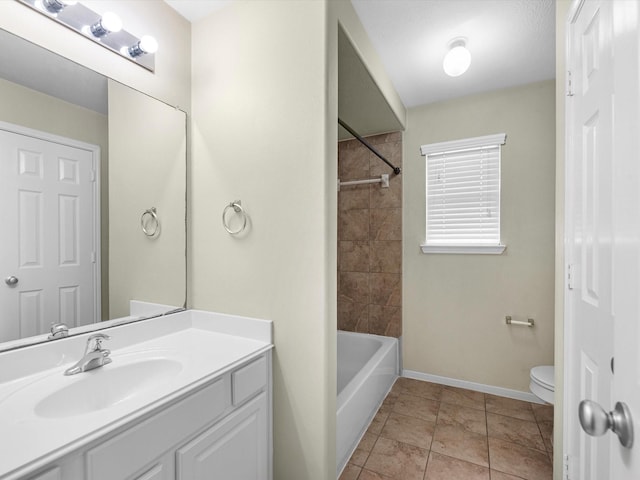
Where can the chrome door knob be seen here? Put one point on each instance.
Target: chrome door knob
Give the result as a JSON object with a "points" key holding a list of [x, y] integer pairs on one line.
{"points": [[596, 421], [11, 281]]}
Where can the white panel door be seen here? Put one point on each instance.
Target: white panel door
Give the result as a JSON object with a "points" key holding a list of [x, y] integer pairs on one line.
{"points": [[603, 233], [48, 238], [626, 187], [589, 231]]}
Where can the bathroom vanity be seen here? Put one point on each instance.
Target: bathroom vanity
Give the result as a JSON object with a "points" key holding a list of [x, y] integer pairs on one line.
{"points": [[185, 395]]}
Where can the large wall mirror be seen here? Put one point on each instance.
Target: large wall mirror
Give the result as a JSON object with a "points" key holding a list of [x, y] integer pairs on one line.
{"points": [[92, 198]]}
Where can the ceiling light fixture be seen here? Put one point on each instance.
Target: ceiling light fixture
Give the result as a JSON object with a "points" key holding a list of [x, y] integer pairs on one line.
{"points": [[108, 23], [457, 59]]}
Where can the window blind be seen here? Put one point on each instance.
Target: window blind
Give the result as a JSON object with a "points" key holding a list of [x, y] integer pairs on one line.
{"points": [[463, 196]]}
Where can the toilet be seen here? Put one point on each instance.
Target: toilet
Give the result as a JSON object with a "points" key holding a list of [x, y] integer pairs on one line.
{"points": [[543, 382]]}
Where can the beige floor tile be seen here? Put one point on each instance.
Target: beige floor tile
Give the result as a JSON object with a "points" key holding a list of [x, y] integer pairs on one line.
{"points": [[441, 467], [543, 413], [363, 449], [389, 401], [414, 406], [378, 422], [546, 429], [457, 442], [515, 430], [411, 430], [397, 460], [471, 419], [520, 461], [350, 472], [466, 398], [495, 475], [419, 388], [369, 475], [412, 420], [510, 407]]}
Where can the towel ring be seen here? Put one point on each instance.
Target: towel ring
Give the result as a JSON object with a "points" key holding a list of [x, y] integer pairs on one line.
{"points": [[154, 220], [237, 207]]}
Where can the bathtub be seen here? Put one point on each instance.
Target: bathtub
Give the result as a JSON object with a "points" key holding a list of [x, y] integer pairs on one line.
{"points": [[367, 368]]}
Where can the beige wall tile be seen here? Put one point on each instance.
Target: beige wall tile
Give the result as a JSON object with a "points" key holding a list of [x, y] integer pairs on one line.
{"points": [[385, 224], [353, 164], [371, 245], [353, 225], [386, 257], [386, 289], [353, 256], [354, 286], [351, 315], [356, 196]]}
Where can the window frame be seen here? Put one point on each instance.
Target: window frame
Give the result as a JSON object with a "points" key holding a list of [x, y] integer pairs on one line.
{"points": [[453, 146]]}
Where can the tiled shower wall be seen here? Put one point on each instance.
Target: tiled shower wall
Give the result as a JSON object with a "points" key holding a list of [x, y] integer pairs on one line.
{"points": [[370, 239]]}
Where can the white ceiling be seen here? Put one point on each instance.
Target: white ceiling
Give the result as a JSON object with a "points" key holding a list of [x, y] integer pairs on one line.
{"points": [[512, 42]]}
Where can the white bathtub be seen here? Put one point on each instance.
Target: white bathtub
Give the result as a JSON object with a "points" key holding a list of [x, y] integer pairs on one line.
{"points": [[367, 368]]}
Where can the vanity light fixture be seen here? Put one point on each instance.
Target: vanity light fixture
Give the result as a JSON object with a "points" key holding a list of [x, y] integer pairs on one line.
{"points": [[55, 6], [108, 23], [146, 45], [106, 29], [457, 59]]}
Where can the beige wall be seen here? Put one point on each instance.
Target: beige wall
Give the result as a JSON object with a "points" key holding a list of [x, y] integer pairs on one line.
{"points": [[29, 108], [264, 131], [147, 168], [259, 135], [169, 83], [454, 305], [342, 11]]}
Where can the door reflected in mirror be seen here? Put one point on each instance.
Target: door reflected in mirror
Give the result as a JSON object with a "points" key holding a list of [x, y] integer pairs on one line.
{"points": [[83, 162]]}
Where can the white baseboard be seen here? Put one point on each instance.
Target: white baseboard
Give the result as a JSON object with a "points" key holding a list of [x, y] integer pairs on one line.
{"points": [[478, 387]]}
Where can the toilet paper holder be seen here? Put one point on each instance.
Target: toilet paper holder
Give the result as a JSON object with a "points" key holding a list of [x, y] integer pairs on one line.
{"points": [[509, 321]]}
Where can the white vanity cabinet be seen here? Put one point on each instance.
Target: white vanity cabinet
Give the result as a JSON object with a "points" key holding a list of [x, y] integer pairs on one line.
{"points": [[230, 449], [222, 430]]}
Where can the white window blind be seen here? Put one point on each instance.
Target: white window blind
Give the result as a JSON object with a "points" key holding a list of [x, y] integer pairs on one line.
{"points": [[463, 196]]}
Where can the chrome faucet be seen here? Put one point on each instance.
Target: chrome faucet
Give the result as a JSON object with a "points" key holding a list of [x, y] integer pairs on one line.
{"points": [[94, 355], [58, 330]]}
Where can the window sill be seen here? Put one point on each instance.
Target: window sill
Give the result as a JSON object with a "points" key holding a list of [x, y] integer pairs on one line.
{"points": [[464, 249]]}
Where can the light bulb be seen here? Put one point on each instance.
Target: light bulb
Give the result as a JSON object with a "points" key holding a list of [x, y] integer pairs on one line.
{"points": [[109, 23], [457, 60], [147, 44], [54, 6]]}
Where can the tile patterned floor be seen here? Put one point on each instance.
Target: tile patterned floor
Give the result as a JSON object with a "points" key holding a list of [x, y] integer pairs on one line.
{"points": [[425, 431]]}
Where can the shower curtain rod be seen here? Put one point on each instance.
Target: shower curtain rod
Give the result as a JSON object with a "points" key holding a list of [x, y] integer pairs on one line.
{"points": [[396, 170]]}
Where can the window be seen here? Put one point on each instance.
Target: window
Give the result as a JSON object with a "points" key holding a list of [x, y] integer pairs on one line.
{"points": [[463, 196]]}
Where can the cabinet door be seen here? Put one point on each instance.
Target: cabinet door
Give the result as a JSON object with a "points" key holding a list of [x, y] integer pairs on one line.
{"points": [[53, 474], [234, 449], [160, 471]]}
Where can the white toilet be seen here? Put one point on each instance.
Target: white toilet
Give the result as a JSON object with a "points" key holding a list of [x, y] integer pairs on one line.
{"points": [[543, 382]]}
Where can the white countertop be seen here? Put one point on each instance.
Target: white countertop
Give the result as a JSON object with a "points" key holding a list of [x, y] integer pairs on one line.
{"points": [[205, 345]]}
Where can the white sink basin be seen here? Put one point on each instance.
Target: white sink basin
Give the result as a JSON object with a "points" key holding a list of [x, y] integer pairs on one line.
{"points": [[106, 386]]}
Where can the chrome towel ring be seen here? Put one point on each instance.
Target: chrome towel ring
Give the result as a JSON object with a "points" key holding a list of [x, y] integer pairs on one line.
{"points": [[152, 223], [237, 207]]}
